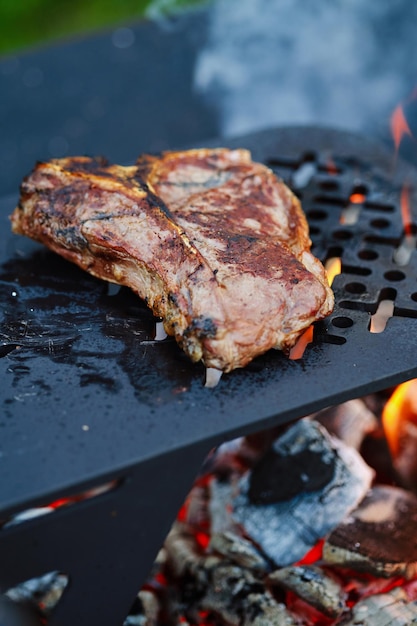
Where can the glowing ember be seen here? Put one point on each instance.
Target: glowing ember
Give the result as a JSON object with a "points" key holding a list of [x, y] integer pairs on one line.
{"points": [[357, 198]]}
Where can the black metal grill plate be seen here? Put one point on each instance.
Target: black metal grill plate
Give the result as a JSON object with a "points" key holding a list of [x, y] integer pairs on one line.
{"points": [[87, 393]]}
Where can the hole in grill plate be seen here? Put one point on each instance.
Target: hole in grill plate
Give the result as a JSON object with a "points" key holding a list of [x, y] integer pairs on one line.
{"points": [[380, 223], [342, 322], [402, 255], [333, 339], [282, 162], [352, 305], [384, 310], [317, 214], [380, 318], [394, 275], [384, 241], [314, 230], [357, 270], [356, 288], [330, 199], [359, 189], [305, 172], [368, 255], [375, 206], [334, 251], [343, 235], [350, 214], [329, 185]]}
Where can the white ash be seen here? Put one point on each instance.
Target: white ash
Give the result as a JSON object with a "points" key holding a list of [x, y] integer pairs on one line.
{"points": [[183, 553], [238, 550], [221, 496], [286, 530], [313, 585], [240, 599], [385, 609]]}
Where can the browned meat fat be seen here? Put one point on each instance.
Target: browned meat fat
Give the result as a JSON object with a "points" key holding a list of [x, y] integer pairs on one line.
{"points": [[216, 245]]}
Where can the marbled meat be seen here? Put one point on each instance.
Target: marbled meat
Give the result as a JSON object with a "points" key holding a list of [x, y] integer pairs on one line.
{"points": [[215, 244]]}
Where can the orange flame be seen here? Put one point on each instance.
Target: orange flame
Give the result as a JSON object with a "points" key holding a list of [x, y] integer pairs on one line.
{"points": [[400, 409], [405, 209], [298, 350], [399, 127], [333, 268]]}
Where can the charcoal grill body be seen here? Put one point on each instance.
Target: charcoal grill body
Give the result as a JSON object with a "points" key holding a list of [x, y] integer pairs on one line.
{"points": [[89, 398]]}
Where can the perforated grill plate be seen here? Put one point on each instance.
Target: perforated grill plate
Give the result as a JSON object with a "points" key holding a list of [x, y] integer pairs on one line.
{"points": [[365, 219], [86, 391]]}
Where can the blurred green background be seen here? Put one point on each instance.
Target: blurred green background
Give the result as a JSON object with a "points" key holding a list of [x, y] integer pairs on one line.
{"points": [[28, 23]]}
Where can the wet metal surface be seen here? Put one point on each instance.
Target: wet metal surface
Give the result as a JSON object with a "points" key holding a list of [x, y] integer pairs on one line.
{"points": [[88, 393]]}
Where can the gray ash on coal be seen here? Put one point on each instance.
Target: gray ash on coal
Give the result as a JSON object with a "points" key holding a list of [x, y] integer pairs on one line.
{"points": [[287, 528], [248, 548]]}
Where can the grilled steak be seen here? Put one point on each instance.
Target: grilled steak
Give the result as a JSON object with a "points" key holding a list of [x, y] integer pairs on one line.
{"points": [[215, 244]]}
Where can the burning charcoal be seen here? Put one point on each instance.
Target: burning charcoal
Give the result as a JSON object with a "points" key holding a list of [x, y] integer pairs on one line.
{"points": [[238, 550], [301, 458], [184, 554], [312, 585], [240, 599], [385, 609], [286, 530], [195, 511], [379, 536], [261, 609], [350, 421]]}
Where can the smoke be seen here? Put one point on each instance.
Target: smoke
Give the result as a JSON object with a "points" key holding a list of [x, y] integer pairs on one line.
{"points": [[341, 63]]}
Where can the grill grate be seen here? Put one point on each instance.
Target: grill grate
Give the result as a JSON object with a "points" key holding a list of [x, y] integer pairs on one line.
{"points": [[88, 397], [355, 214]]}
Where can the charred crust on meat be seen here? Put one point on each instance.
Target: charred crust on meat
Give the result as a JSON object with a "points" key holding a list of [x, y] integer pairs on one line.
{"points": [[201, 327], [92, 165], [72, 237], [173, 298], [157, 203]]}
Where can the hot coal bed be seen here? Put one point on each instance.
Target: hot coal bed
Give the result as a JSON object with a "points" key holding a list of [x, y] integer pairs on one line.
{"points": [[95, 406]]}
